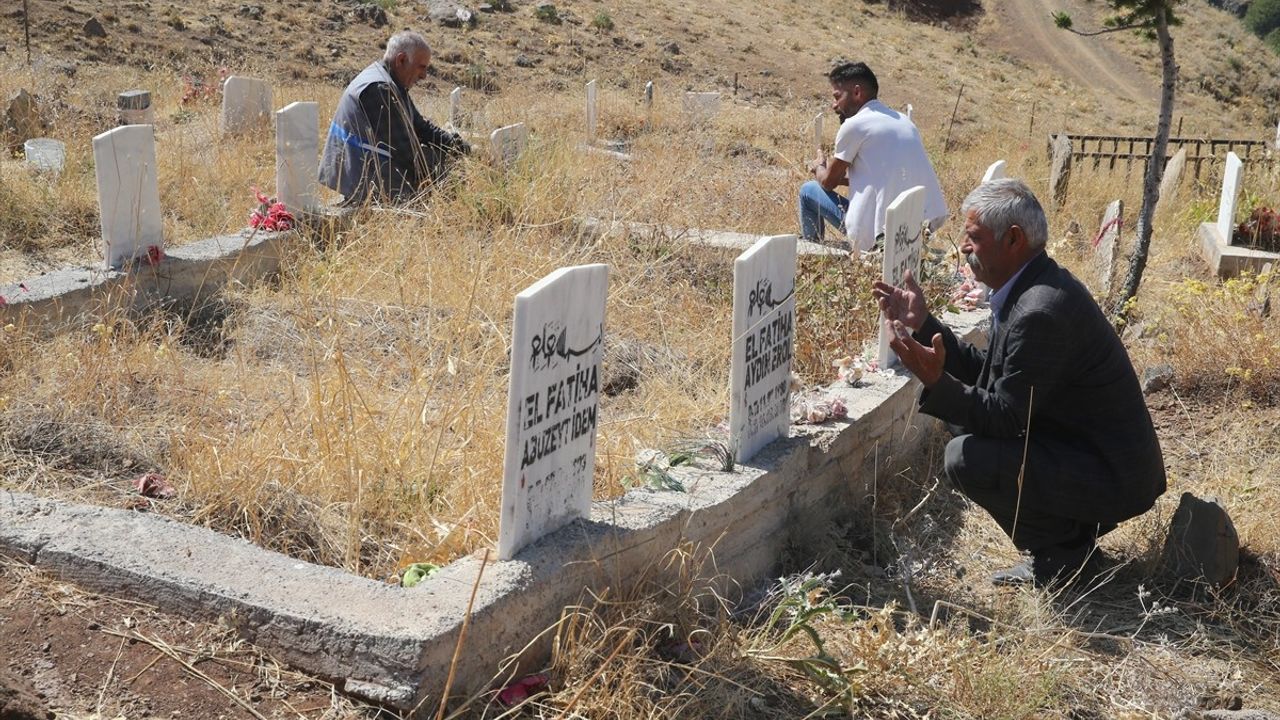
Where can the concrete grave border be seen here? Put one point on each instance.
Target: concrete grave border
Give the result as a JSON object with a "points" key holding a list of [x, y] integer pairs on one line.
{"points": [[395, 645]]}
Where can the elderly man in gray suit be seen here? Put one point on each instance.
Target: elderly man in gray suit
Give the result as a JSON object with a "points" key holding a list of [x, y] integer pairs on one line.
{"points": [[1056, 441]]}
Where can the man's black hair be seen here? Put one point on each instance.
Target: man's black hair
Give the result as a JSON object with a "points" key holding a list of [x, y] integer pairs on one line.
{"points": [[855, 72]]}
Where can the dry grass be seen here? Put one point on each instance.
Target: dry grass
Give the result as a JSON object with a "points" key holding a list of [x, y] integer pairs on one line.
{"points": [[351, 412]]}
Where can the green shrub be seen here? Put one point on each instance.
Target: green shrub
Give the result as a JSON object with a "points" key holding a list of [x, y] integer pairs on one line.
{"points": [[1263, 17], [602, 21]]}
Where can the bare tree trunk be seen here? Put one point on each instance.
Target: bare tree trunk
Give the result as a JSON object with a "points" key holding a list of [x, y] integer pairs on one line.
{"points": [[1155, 168]]}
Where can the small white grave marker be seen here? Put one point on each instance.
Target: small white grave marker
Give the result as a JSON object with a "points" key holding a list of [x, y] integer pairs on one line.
{"points": [[508, 142], [591, 112], [994, 172], [648, 97], [910, 111], [701, 107], [1108, 238], [819, 133], [1230, 192], [764, 309], [297, 149], [246, 104], [45, 154], [124, 161], [903, 244], [455, 108], [557, 345], [135, 108]]}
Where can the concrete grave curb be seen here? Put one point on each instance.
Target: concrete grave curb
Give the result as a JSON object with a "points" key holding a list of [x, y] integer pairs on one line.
{"points": [[394, 645]]}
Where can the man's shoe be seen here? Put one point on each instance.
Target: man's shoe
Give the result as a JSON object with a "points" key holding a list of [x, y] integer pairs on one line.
{"points": [[1052, 566]]}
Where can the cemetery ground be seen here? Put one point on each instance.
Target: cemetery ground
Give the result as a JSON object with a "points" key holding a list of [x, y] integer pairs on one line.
{"points": [[351, 412]]}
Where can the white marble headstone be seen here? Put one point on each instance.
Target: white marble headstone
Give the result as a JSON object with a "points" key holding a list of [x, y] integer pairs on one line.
{"points": [[124, 161], [45, 154], [557, 346], [994, 172], [903, 245], [764, 309], [648, 95], [246, 104], [819, 133], [1108, 238], [297, 153], [455, 108], [1230, 192], [592, 112], [910, 111], [701, 106], [508, 142]]}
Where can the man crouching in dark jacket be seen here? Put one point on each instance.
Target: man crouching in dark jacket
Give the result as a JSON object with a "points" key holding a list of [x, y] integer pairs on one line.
{"points": [[1056, 441], [378, 144]]}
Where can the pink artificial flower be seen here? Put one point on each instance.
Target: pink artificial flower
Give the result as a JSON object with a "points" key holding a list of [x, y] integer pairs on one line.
{"points": [[154, 254]]}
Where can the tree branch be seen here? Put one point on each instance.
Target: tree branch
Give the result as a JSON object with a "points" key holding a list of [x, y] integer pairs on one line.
{"points": [[1104, 31]]}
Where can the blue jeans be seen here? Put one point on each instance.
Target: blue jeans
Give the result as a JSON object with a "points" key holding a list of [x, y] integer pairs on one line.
{"points": [[817, 204]]}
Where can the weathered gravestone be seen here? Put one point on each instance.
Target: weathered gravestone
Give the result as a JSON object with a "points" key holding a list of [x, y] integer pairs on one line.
{"points": [[591, 112], [124, 161], [45, 154], [764, 309], [1060, 168], [455, 109], [701, 107], [508, 142], [557, 345], [1230, 193], [819, 133], [297, 150], [23, 119], [246, 104], [903, 245], [135, 108], [1202, 542], [995, 171], [1172, 176], [1108, 238]]}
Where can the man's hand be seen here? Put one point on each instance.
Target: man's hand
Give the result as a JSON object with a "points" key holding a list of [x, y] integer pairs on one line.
{"points": [[817, 165], [902, 304], [925, 363]]}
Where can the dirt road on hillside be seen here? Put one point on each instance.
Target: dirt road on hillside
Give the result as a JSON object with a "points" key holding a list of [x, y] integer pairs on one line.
{"points": [[1027, 30]]}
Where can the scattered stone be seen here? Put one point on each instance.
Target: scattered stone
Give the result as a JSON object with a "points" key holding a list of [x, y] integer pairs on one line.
{"points": [[253, 12], [372, 14], [23, 119], [1156, 378], [672, 48], [1230, 715], [1202, 542], [20, 701], [449, 13], [93, 28], [524, 61]]}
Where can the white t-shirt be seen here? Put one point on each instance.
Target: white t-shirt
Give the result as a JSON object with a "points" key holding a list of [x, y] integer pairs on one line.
{"points": [[886, 158]]}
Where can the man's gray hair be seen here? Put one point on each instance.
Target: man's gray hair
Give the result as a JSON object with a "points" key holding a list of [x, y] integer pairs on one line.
{"points": [[1001, 204], [405, 41]]}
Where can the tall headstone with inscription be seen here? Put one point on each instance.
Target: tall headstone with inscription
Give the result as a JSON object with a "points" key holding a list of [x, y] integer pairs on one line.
{"points": [[903, 246], [1230, 193], [506, 143], [124, 161], [246, 104], [995, 171], [764, 310], [297, 150], [701, 107], [557, 345], [592, 112]]}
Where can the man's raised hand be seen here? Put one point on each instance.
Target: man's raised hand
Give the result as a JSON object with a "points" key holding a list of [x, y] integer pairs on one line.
{"points": [[903, 304], [926, 363]]}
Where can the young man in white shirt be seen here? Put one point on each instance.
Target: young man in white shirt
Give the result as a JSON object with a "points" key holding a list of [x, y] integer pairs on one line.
{"points": [[878, 155]]}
